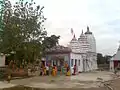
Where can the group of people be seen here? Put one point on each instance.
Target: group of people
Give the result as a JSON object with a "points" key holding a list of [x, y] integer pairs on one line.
{"points": [[53, 70], [44, 70]]}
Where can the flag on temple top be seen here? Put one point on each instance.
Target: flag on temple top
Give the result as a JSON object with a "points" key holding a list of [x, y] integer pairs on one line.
{"points": [[72, 32]]}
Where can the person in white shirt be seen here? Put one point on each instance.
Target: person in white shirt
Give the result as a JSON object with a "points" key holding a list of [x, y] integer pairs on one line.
{"points": [[47, 69]]}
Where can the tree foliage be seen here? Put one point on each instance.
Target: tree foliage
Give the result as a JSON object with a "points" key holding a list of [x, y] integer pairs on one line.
{"points": [[23, 35], [103, 59], [50, 42], [23, 29]]}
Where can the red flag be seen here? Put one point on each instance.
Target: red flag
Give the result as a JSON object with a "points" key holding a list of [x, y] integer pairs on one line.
{"points": [[72, 31]]}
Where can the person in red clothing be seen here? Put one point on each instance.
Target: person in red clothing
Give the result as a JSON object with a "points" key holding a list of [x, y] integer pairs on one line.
{"points": [[74, 73]]}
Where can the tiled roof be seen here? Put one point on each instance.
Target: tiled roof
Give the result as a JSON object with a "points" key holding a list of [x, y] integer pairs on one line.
{"points": [[59, 49]]}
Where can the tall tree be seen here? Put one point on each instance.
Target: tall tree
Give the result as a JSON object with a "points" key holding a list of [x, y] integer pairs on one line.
{"points": [[23, 30], [50, 42], [100, 59], [107, 58], [103, 59]]}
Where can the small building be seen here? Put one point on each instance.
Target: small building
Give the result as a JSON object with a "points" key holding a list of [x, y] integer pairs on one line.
{"points": [[115, 60], [80, 52]]}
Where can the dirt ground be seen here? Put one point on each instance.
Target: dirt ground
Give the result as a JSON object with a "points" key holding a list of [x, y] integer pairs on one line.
{"points": [[83, 81], [115, 85]]}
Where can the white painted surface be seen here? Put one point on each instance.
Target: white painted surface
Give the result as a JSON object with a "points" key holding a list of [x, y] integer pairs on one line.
{"points": [[76, 57], [83, 43], [92, 42], [84, 49]]}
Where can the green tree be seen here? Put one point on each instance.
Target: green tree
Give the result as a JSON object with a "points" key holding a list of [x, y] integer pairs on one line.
{"points": [[107, 58], [23, 30], [103, 59], [50, 42], [100, 58]]}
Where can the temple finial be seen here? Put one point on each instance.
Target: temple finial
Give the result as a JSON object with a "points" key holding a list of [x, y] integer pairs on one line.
{"points": [[74, 36], [72, 32], [82, 31], [88, 29]]}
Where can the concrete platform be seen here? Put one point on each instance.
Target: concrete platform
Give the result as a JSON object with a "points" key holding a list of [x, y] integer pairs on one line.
{"points": [[6, 85]]}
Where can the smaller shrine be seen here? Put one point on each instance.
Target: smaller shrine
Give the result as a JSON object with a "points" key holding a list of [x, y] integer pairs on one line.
{"points": [[58, 56], [115, 61]]}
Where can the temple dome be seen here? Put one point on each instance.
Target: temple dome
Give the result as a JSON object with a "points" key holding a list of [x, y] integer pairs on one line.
{"points": [[83, 42], [88, 31], [91, 40], [74, 45]]}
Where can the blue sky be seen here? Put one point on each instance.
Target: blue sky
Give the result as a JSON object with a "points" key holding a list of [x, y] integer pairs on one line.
{"points": [[102, 16]]}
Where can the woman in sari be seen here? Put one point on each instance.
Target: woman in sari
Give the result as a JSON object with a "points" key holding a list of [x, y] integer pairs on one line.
{"points": [[68, 71], [53, 71]]}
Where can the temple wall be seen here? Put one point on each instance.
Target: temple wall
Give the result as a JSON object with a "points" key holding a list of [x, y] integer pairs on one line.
{"points": [[79, 61], [50, 57]]}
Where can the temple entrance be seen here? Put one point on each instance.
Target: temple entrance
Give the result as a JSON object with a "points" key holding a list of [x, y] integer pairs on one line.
{"points": [[59, 62]]}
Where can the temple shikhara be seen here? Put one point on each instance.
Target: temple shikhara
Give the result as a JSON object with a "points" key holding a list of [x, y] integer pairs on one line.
{"points": [[80, 54]]}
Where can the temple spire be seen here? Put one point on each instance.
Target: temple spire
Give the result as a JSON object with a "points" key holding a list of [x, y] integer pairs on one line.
{"points": [[82, 31], [74, 36], [72, 31], [88, 29]]}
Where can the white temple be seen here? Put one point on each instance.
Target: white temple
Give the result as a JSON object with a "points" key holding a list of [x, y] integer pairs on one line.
{"points": [[80, 52], [84, 52]]}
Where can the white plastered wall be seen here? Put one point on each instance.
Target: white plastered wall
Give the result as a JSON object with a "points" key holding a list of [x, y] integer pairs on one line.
{"points": [[77, 57]]}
